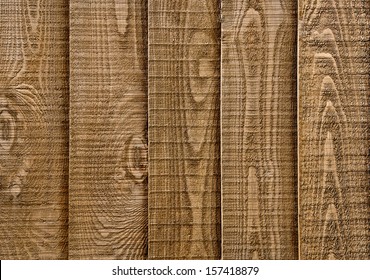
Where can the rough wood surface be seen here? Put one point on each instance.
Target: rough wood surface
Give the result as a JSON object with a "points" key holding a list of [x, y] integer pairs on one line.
{"points": [[259, 209], [33, 129], [184, 184], [108, 141], [236, 138], [333, 129]]}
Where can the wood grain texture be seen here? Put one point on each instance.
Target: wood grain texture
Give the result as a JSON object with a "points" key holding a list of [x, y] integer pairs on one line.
{"points": [[259, 209], [333, 129], [184, 184], [33, 129], [108, 141]]}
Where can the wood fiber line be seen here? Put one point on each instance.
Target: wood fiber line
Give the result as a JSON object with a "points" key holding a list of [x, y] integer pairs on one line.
{"points": [[184, 184], [333, 129], [259, 209], [33, 129], [108, 142]]}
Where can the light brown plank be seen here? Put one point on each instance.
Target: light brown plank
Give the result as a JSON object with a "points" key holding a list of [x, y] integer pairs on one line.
{"points": [[259, 209], [184, 186], [33, 129], [333, 129], [108, 148]]}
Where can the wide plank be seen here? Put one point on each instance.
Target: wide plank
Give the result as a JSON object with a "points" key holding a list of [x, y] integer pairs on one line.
{"points": [[333, 129], [259, 197], [33, 129], [184, 173], [108, 134]]}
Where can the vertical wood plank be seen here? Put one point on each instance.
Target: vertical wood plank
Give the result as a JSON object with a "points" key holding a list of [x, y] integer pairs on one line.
{"points": [[184, 186], [33, 129], [333, 129], [259, 195], [108, 142]]}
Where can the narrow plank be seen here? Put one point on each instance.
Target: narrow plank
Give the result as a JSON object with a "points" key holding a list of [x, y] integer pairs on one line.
{"points": [[333, 129], [108, 141], [184, 184], [33, 129], [259, 213]]}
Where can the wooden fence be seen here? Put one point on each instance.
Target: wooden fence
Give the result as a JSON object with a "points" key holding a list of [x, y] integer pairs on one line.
{"points": [[184, 129]]}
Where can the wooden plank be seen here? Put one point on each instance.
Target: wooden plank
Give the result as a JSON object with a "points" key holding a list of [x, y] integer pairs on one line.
{"points": [[33, 129], [333, 129], [108, 148], [259, 213], [184, 184]]}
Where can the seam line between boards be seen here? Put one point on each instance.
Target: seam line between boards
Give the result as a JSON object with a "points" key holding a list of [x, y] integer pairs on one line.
{"points": [[69, 103], [220, 147], [298, 132]]}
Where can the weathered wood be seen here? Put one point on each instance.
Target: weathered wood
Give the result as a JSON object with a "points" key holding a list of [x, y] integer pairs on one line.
{"points": [[184, 183], [333, 129], [259, 207], [33, 129], [108, 142]]}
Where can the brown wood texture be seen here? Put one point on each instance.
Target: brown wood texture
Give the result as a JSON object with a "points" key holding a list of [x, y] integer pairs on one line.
{"points": [[184, 91], [108, 141], [33, 129], [333, 129], [259, 208], [182, 129]]}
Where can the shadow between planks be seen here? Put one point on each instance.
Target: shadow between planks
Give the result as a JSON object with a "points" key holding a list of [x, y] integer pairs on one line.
{"points": [[198, 129]]}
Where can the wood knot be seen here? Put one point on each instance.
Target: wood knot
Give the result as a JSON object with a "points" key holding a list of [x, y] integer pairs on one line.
{"points": [[137, 158], [7, 131]]}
